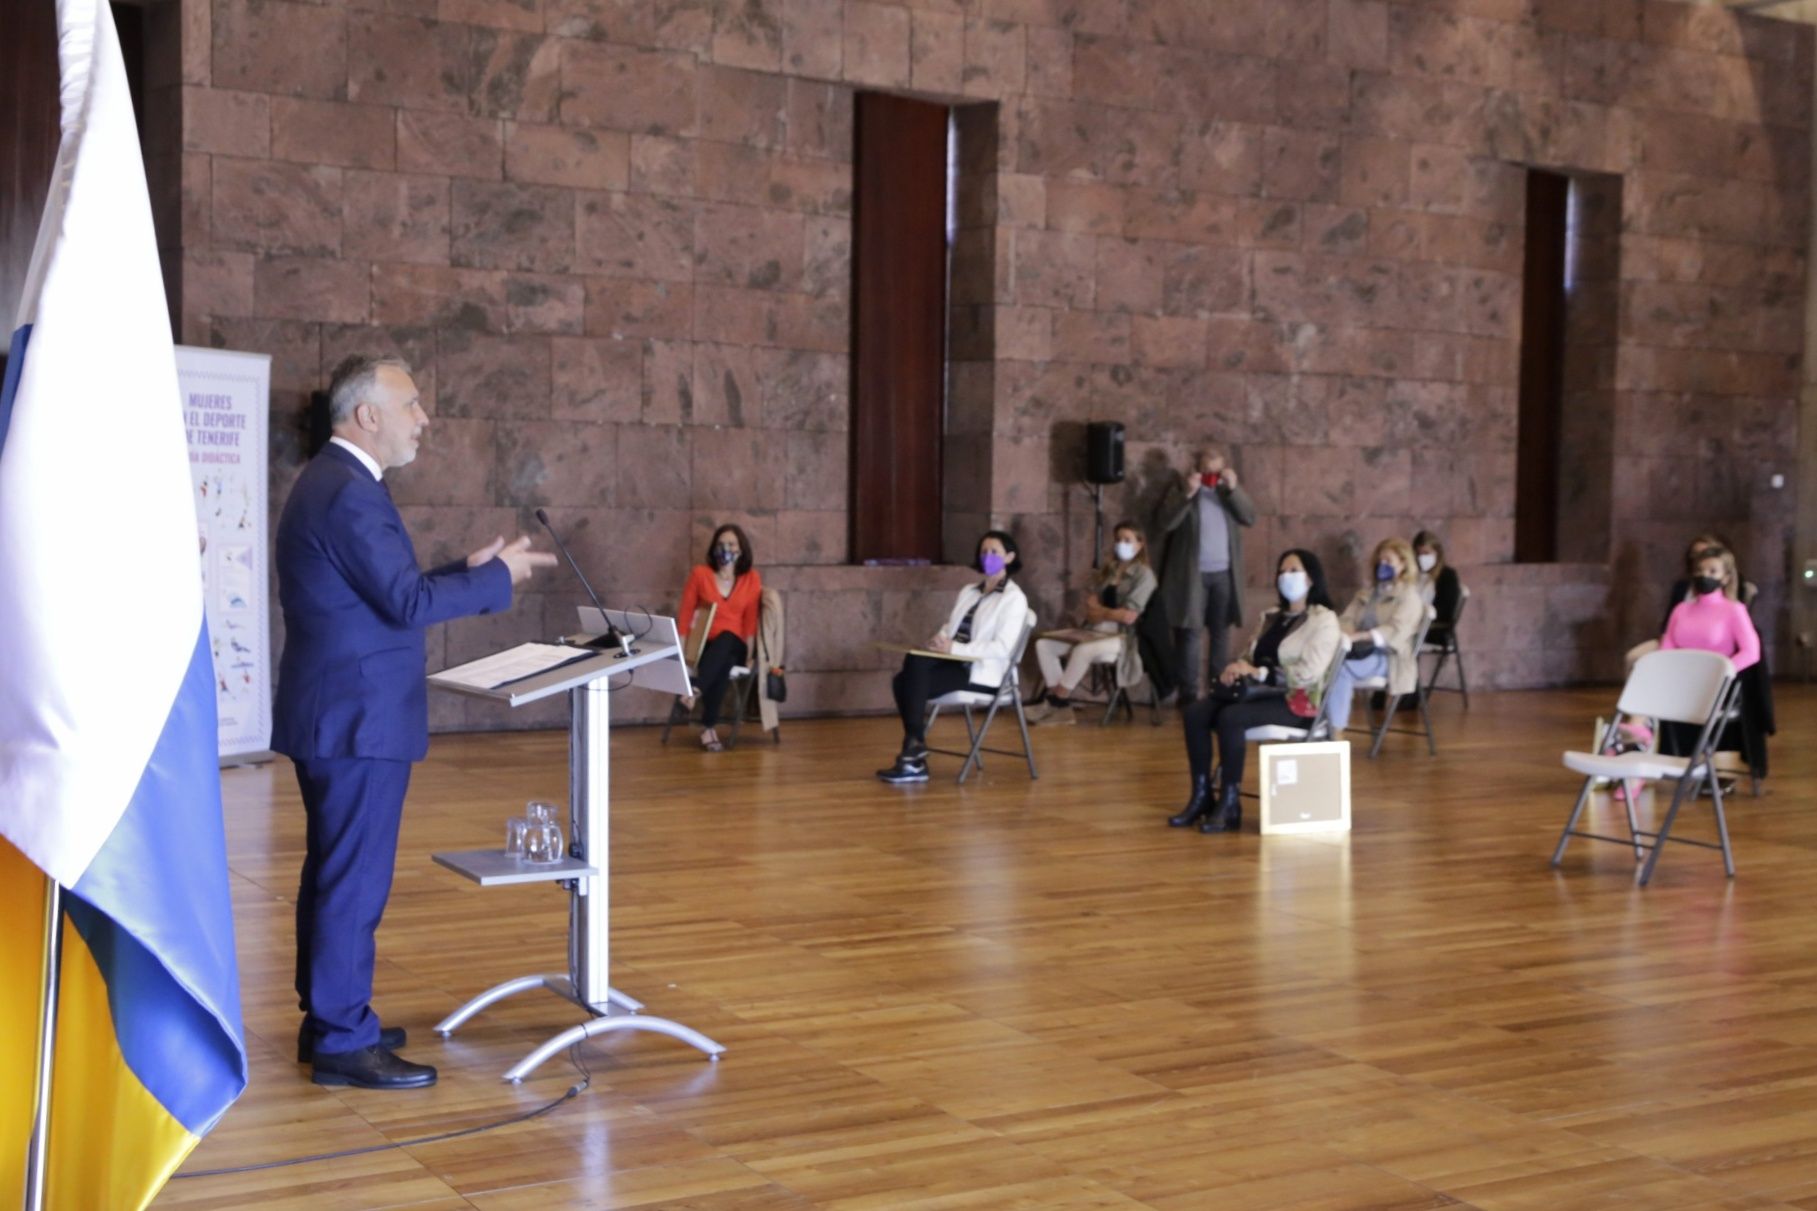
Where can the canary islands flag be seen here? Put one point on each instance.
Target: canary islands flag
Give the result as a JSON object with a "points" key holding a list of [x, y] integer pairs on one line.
{"points": [[109, 781]]}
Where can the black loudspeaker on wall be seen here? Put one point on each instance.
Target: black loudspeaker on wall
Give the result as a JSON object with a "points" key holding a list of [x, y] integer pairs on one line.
{"points": [[1104, 452]]}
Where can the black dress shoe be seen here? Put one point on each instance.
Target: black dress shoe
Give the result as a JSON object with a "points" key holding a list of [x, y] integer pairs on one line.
{"points": [[1229, 816], [1197, 806], [371, 1068], [390, 1038]]}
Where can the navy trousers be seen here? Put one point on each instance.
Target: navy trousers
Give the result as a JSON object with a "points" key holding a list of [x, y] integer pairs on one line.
{"points": [[353, 807]]}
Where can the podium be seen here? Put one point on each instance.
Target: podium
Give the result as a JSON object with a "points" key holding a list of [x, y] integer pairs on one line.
{"points": [[589, 677]]}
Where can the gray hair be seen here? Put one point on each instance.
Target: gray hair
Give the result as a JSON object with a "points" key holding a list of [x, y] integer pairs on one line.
{"points": [[353, 381]]}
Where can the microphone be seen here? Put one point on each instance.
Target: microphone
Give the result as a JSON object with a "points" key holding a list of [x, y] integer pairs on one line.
{"points": [[612, 633]]}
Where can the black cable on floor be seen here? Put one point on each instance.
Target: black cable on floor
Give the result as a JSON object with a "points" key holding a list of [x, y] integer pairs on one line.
{"points": [[573, 1092]]}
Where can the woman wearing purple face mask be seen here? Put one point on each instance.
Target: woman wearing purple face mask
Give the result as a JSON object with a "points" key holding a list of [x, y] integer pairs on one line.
{"points": [[984, 623]]}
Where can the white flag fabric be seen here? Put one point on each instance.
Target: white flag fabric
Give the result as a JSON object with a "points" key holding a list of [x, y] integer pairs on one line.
{"points": [[98, 546]]}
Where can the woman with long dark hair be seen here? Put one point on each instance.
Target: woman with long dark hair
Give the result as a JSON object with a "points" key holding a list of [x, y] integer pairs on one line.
{"points": [[984, 625], [1277, 681], [728, 581]]}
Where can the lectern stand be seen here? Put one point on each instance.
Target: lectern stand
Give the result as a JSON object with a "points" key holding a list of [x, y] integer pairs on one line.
{"points": [[655, 662]]}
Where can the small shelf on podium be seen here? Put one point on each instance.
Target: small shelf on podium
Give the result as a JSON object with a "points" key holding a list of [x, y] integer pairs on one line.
{"points": [[496, 868]]}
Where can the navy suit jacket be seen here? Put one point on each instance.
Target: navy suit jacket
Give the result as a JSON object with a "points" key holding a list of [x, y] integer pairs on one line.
{"points": [[350, 683]]}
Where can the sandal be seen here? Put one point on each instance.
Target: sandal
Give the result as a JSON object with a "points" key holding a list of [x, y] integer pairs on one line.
{"points": [[712, 746]]}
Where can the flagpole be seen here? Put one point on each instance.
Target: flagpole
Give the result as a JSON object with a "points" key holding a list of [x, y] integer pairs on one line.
{"points": [[37, 1154]]}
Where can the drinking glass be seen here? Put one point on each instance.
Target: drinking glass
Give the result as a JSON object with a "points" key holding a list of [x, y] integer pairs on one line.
{"points": [[543, 842], [515, 829]]}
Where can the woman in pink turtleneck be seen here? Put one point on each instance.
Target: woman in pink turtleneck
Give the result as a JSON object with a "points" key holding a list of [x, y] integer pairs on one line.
{"points": [[1711, 621]]}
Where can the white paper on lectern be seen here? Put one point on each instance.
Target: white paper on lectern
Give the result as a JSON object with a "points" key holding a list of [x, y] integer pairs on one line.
{"points": [[512, 664]]}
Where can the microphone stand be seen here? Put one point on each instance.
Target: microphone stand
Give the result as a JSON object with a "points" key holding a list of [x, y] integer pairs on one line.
{"points": [[613, 634]]}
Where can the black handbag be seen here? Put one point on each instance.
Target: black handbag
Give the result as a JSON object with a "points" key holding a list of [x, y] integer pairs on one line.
{"points": [[775, 686], [1245, 690]]}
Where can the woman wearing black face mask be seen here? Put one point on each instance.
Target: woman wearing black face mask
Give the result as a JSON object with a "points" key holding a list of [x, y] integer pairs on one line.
{"points": [[732, 586]]}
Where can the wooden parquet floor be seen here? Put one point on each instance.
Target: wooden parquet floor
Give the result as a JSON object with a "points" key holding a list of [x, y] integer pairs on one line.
{"points": [[1016, 995]]}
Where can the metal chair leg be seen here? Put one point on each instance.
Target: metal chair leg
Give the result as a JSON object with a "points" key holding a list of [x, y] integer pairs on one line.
{"points": [[1381, 733], [740, 692], [1426, 718], [973, 759], [1028, 750], [1627, 798], [676, 715], [1463, 682], [1722, 826], [1665, 826], [1564, 838], [976, 737]]}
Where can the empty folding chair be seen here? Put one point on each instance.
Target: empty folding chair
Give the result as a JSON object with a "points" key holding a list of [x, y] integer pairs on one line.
{"points": [[1446, 649], [1680, 686], [1007, 694]]}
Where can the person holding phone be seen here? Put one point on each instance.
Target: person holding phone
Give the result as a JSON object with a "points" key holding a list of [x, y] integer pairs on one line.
{"points": [[1200, 523]]}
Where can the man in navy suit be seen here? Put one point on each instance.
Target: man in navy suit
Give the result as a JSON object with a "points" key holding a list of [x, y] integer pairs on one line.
{"points": [[352, 709]]}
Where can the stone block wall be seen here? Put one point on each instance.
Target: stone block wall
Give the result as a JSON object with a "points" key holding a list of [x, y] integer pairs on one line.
{"points": [[613, 236]]}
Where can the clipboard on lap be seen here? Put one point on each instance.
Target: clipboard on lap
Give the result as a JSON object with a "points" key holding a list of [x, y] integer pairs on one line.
{"points": [[697, 637], [906, 650]]}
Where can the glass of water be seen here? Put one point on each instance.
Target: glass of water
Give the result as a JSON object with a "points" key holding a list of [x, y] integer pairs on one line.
{"points": [[514, 836], [543, 842]]}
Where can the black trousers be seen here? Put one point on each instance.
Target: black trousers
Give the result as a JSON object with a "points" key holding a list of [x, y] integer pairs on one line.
{"points": [[1230, 720], [923, 678], [717, 659]]}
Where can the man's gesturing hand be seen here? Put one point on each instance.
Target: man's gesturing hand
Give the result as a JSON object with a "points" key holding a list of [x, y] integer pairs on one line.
{"points": [[516, 555], [486, 554]]}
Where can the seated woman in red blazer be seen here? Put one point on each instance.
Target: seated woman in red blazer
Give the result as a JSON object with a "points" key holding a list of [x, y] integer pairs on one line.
{"points": [[727, 581]]}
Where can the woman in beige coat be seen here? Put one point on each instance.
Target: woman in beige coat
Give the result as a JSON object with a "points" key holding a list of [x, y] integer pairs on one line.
{"points": [[1382, 625], [1277, 682]]}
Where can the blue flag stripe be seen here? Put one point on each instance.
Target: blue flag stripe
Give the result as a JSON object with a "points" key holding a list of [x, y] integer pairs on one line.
{"points": [[161, 926], [15, 363]]}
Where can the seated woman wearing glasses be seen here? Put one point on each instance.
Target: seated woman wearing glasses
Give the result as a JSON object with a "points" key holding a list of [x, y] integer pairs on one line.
{"points": [[985, 623], [1382, 623], [1277, 682]]}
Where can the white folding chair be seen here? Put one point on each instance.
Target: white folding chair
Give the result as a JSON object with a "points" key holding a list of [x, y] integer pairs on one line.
{"points": [[1007, 694], [1394, 700], [1449, 652], [1689, 687]]}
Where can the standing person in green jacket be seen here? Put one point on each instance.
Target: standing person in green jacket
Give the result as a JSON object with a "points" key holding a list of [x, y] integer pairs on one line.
{"points": [[1199, 526]]}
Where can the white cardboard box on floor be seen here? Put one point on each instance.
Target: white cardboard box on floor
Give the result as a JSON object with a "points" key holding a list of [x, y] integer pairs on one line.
{"points": [[1306, 787]]}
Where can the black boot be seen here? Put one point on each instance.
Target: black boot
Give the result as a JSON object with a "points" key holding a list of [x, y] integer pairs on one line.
{"points": [[1229, 816], [1197, 806]]}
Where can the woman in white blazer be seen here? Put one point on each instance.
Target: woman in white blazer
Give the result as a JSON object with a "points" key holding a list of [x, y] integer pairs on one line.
{"points": [[985, 623]]}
